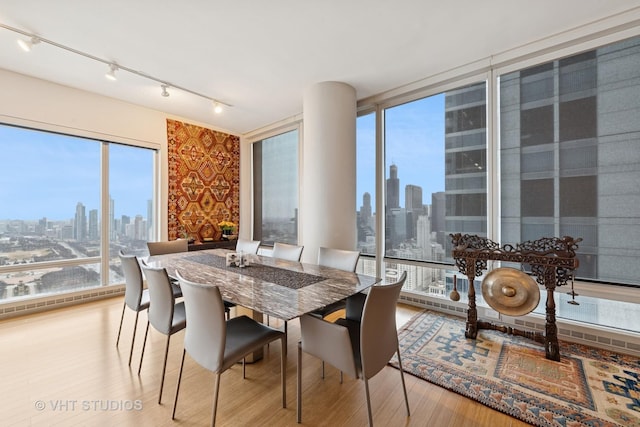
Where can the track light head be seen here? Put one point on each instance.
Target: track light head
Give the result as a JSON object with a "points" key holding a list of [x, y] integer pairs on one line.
{"points": [[111, 74], [164, 92], [26, 45], [217, 108]]}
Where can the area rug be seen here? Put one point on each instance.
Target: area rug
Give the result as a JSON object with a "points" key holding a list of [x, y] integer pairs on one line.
{"points": [[588, 387]]}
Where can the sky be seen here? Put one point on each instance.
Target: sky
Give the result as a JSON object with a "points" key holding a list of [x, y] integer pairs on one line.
{"points": [[46, 175]]}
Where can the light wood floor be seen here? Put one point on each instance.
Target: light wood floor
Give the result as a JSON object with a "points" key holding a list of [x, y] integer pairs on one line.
{"points": [[61, 368]]}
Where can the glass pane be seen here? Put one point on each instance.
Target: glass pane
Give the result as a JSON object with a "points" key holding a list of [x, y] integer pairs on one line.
{"points": [[131, 213], [49, 211], [570, 157], [275, 175], [435, 158], [366, 182]]}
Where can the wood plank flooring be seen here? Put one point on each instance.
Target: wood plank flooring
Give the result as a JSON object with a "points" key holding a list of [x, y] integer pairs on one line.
{"points": [[62, 368]]}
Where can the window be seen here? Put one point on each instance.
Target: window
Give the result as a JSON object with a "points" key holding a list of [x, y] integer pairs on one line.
{"points": [[583, 181], [435, 159], [51, 223], [366, 182], [275, 189]]}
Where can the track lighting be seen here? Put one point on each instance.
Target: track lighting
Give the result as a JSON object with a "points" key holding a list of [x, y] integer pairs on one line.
{"points": [[111, 74], [26, 45]]}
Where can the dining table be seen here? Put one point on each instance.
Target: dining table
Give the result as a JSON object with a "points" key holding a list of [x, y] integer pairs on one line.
{"points": [[268, 286]]}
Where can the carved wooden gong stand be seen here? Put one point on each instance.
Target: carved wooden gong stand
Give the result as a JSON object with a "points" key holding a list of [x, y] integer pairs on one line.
{"points": [[552, 262]]}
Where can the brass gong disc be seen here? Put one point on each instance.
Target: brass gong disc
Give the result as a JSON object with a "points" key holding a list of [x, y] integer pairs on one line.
{"points": [[510, 291]]}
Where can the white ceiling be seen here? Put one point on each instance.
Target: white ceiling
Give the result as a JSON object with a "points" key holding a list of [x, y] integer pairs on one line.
{"points": [[261, 55]]}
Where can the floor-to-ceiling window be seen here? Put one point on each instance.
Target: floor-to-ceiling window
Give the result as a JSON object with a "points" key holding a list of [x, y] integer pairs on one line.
{"points": [[563, 159], [52, 223], [435, 151], [275, 188]]}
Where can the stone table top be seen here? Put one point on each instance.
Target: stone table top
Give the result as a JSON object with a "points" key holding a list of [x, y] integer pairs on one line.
{"points": [[279, 288]]}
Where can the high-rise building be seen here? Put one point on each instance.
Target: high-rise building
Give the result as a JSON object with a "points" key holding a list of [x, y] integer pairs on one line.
{"points": [[414, 208], [466, 161], [393, 188], [567, 172], [80, 223], [438, 215], [93, 225]]}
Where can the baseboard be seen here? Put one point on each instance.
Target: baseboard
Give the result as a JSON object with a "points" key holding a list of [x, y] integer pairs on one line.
{"points": [[50, 302]]}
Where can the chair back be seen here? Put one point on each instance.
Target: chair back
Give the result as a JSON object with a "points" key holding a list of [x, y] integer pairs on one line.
{"points": [[338, 258], [248, 246], [168, 247], [287, 252], [206, 332], [161, 299], [133, 282], [378, 331]]}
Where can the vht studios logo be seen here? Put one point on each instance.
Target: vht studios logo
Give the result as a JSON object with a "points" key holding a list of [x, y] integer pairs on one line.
{"points": [[66, 405]]}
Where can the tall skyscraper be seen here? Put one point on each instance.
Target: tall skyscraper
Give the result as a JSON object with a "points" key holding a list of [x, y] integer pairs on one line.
{"points": [[393, 188], [466, 161]]}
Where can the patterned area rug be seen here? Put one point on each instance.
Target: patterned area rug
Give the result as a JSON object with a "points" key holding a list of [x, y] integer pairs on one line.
{"points": [[588, 387]]}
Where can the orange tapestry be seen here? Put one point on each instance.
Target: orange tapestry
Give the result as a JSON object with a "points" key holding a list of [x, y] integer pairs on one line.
{"points": [[204, 181]]}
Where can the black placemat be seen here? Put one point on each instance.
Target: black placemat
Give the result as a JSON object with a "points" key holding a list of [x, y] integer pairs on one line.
{"points": [[279, 276]]}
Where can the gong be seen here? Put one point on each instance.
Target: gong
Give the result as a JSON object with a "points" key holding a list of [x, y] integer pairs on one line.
{"points": [[510, 291]]}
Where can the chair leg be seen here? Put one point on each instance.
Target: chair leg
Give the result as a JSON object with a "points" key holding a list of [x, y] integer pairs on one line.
{"points": [[215, 399], [144, 344], [323, 369], [124, 305], [366, 390], [164, 368], [244, 363], [299, 384], [133, 338], [175, 402], [404, 388], [283, 373]]}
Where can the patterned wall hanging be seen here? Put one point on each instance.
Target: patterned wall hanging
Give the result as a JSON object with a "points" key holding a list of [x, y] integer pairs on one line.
{"points": [[204, 181]]}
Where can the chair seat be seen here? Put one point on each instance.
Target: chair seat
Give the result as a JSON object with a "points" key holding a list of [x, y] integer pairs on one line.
{"points": [[243, 336]]}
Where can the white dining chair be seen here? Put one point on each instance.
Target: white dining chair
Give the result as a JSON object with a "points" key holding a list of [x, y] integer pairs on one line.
{"points": [[342, 260], [165, 315], [247, 246], [287, 252], [360, 349], [168, 247], [135, 296], [216, 344]]}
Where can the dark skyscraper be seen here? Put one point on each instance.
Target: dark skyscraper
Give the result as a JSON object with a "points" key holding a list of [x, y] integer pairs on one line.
{"points": [[393, 188]]}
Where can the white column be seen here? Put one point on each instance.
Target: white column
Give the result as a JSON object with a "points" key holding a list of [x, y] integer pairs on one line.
{"points": [[328, 187]]}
